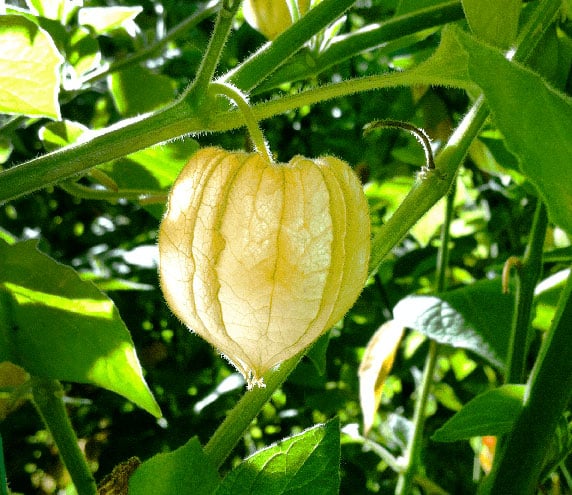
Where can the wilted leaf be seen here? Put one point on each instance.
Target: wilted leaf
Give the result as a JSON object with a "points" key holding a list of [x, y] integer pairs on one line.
{"points": [[375, 367]]}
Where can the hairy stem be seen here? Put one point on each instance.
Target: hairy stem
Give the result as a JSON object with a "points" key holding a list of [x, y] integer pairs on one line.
{"points": [[47, 395]]}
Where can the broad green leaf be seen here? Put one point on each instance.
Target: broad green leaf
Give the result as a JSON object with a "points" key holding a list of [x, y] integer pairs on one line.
{"points": [[375, 367], [492, 21], [535, 120], [137, 90], [299, 465], [29, 69], [491, 413], [185, 471], [477, 317], [105, 19], [546, 298], [56, 325], [55, 135]]}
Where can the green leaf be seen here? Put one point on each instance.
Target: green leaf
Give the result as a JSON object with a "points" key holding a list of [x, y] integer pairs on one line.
{"points": [[492, 21], [491, 413], [61, 327], [137, 90], [59, 10], [302, 464], [55, 135], [29, 69], [105, 19], [535, 120], [184, 471], [477, 317], [83, 51]]}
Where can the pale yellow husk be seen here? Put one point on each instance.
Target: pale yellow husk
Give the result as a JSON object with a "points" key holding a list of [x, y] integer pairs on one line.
{"points": [[260, 259]]}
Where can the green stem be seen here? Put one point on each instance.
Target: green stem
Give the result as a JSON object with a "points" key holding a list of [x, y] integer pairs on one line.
{"points": [[157, 46], [197, 92], [231, 430], [241, 102], [407, 477], [528, 273], [548, 393], [265, 61], [84, 192], [47, 396], [3, 477], [382, 37]]}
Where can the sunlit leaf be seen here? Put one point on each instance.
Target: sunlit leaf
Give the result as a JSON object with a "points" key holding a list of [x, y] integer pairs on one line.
{"points": [[105, 19], [544, 150], [302, 464], [55, 325], [376, 365], [29, 69]]}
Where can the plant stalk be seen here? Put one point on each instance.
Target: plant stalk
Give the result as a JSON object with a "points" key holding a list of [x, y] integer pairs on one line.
{"points": [[47, 395], [407, 477], [547, 395], [527, 275], [231, 430]]}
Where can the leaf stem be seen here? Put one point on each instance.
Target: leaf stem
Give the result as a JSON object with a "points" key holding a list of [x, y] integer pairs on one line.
{"points": [[47, 395], [3, 478]]}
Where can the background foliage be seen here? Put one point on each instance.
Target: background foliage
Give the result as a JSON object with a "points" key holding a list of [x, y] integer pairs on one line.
{"points": [[104, 66]]}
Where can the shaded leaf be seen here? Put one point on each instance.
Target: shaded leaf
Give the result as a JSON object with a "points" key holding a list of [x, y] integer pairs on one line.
{"points": [[29, 69], [302, 464], [55, 325], [477, 317], [492, 413], [492, 21], [184, 471], [55, 135], [375, 367], [513, 91]]}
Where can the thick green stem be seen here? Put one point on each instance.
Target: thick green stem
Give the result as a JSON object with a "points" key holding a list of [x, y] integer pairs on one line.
{"points": [[527, 274], [3, 478], [47, 396], [548, 393], [227, 435]]}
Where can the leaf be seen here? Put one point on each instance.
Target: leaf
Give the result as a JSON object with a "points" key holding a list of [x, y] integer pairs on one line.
{"points": [[477, 317], [137, 90], [375, 367], [55, 135], [184, 471], [491, 413], [492, 21], [518, 98], [29, 69], [55, 325], [302, 464], [105, 19]]}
